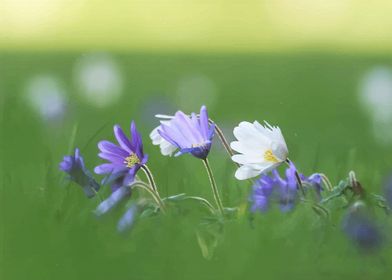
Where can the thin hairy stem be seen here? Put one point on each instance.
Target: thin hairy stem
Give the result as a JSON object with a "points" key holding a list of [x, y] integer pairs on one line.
{"points": [[96, 194], [204, 201], [150, 178], [222, 138], [213, 185], [154, 195], [326, 182]]}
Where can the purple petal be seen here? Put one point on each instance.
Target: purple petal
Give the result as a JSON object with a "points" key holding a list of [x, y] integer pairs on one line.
{"points": [[192, 133], [167, 133], [136, 141], [144, 160], [112, 158], [104, 168], [130, 176], [109, 147], [128, 219], [114, 199], [122, 139], [204, 125], [77, 154]]}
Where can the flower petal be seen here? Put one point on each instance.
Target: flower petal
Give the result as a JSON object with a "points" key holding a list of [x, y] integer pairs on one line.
{"points": [[122, 139], [109, 147], [245, 172]]}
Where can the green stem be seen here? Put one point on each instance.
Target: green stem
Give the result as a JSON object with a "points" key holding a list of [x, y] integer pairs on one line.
{"points": [[204, 201], [213, 186], [150, 178], [326, 181], [155, 196], [97, 194], [222, 138]]}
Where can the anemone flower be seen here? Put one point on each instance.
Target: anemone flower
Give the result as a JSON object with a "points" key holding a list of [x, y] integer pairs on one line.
{"points": [[128, 219], [274, 188], [261, 149], [113, 200], [123, 160], [187, 134], [74, 166], [362, 229]]}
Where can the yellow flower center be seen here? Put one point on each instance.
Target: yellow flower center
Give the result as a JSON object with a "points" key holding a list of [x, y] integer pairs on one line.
{"points": [[269, 156], [131, 160]]}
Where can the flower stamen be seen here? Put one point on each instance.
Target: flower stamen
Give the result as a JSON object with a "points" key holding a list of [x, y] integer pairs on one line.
{"points": [[131, 160], [269, 156]]}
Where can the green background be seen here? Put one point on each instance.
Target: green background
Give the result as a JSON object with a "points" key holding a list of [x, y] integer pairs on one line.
{"points": [[48, 230]]}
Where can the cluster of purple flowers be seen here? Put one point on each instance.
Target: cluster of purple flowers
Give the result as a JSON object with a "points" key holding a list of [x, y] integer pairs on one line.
{"points": [[283, 191]]}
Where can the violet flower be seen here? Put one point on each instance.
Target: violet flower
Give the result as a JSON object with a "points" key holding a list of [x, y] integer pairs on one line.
{"points": [[314, 181], [113, 200], [274, 188], [189, 134], [283, 191], [124, 160], [128, 219], [74, 166], [361, 228]]}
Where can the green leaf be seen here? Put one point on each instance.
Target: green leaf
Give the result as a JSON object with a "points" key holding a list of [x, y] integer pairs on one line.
{"points": [[209, 236]]}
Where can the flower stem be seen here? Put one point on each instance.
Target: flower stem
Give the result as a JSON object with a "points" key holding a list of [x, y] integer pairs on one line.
{"points": [[155, 195], [150, 178], [96, 194], [326, 181], [204, 201], [152, 184], [213, 185]]}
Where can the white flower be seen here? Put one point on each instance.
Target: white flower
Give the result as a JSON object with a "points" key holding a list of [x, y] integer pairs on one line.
{"points": [[167, 149], [261, 149]]}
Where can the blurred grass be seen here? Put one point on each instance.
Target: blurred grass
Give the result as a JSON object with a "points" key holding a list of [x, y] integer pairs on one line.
{"points": [[49, 232]]}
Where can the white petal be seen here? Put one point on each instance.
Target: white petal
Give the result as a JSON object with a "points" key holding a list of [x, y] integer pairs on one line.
{"points": [[252, 170], [160, 116], [249, 158], [250, 136], [245, 172], [278, 144], [167, 149], [242, 148]]}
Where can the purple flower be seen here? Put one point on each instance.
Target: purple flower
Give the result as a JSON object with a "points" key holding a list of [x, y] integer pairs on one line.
{"points": [[189, 134], [283, 191], [128, 219], [74, 166], [274, 188], [124, 160], [361, 228], [113, 200], [313, 181]]}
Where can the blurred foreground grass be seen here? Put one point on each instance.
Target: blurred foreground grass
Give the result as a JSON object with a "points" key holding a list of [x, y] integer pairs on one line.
{"points": [[48, 230]]}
